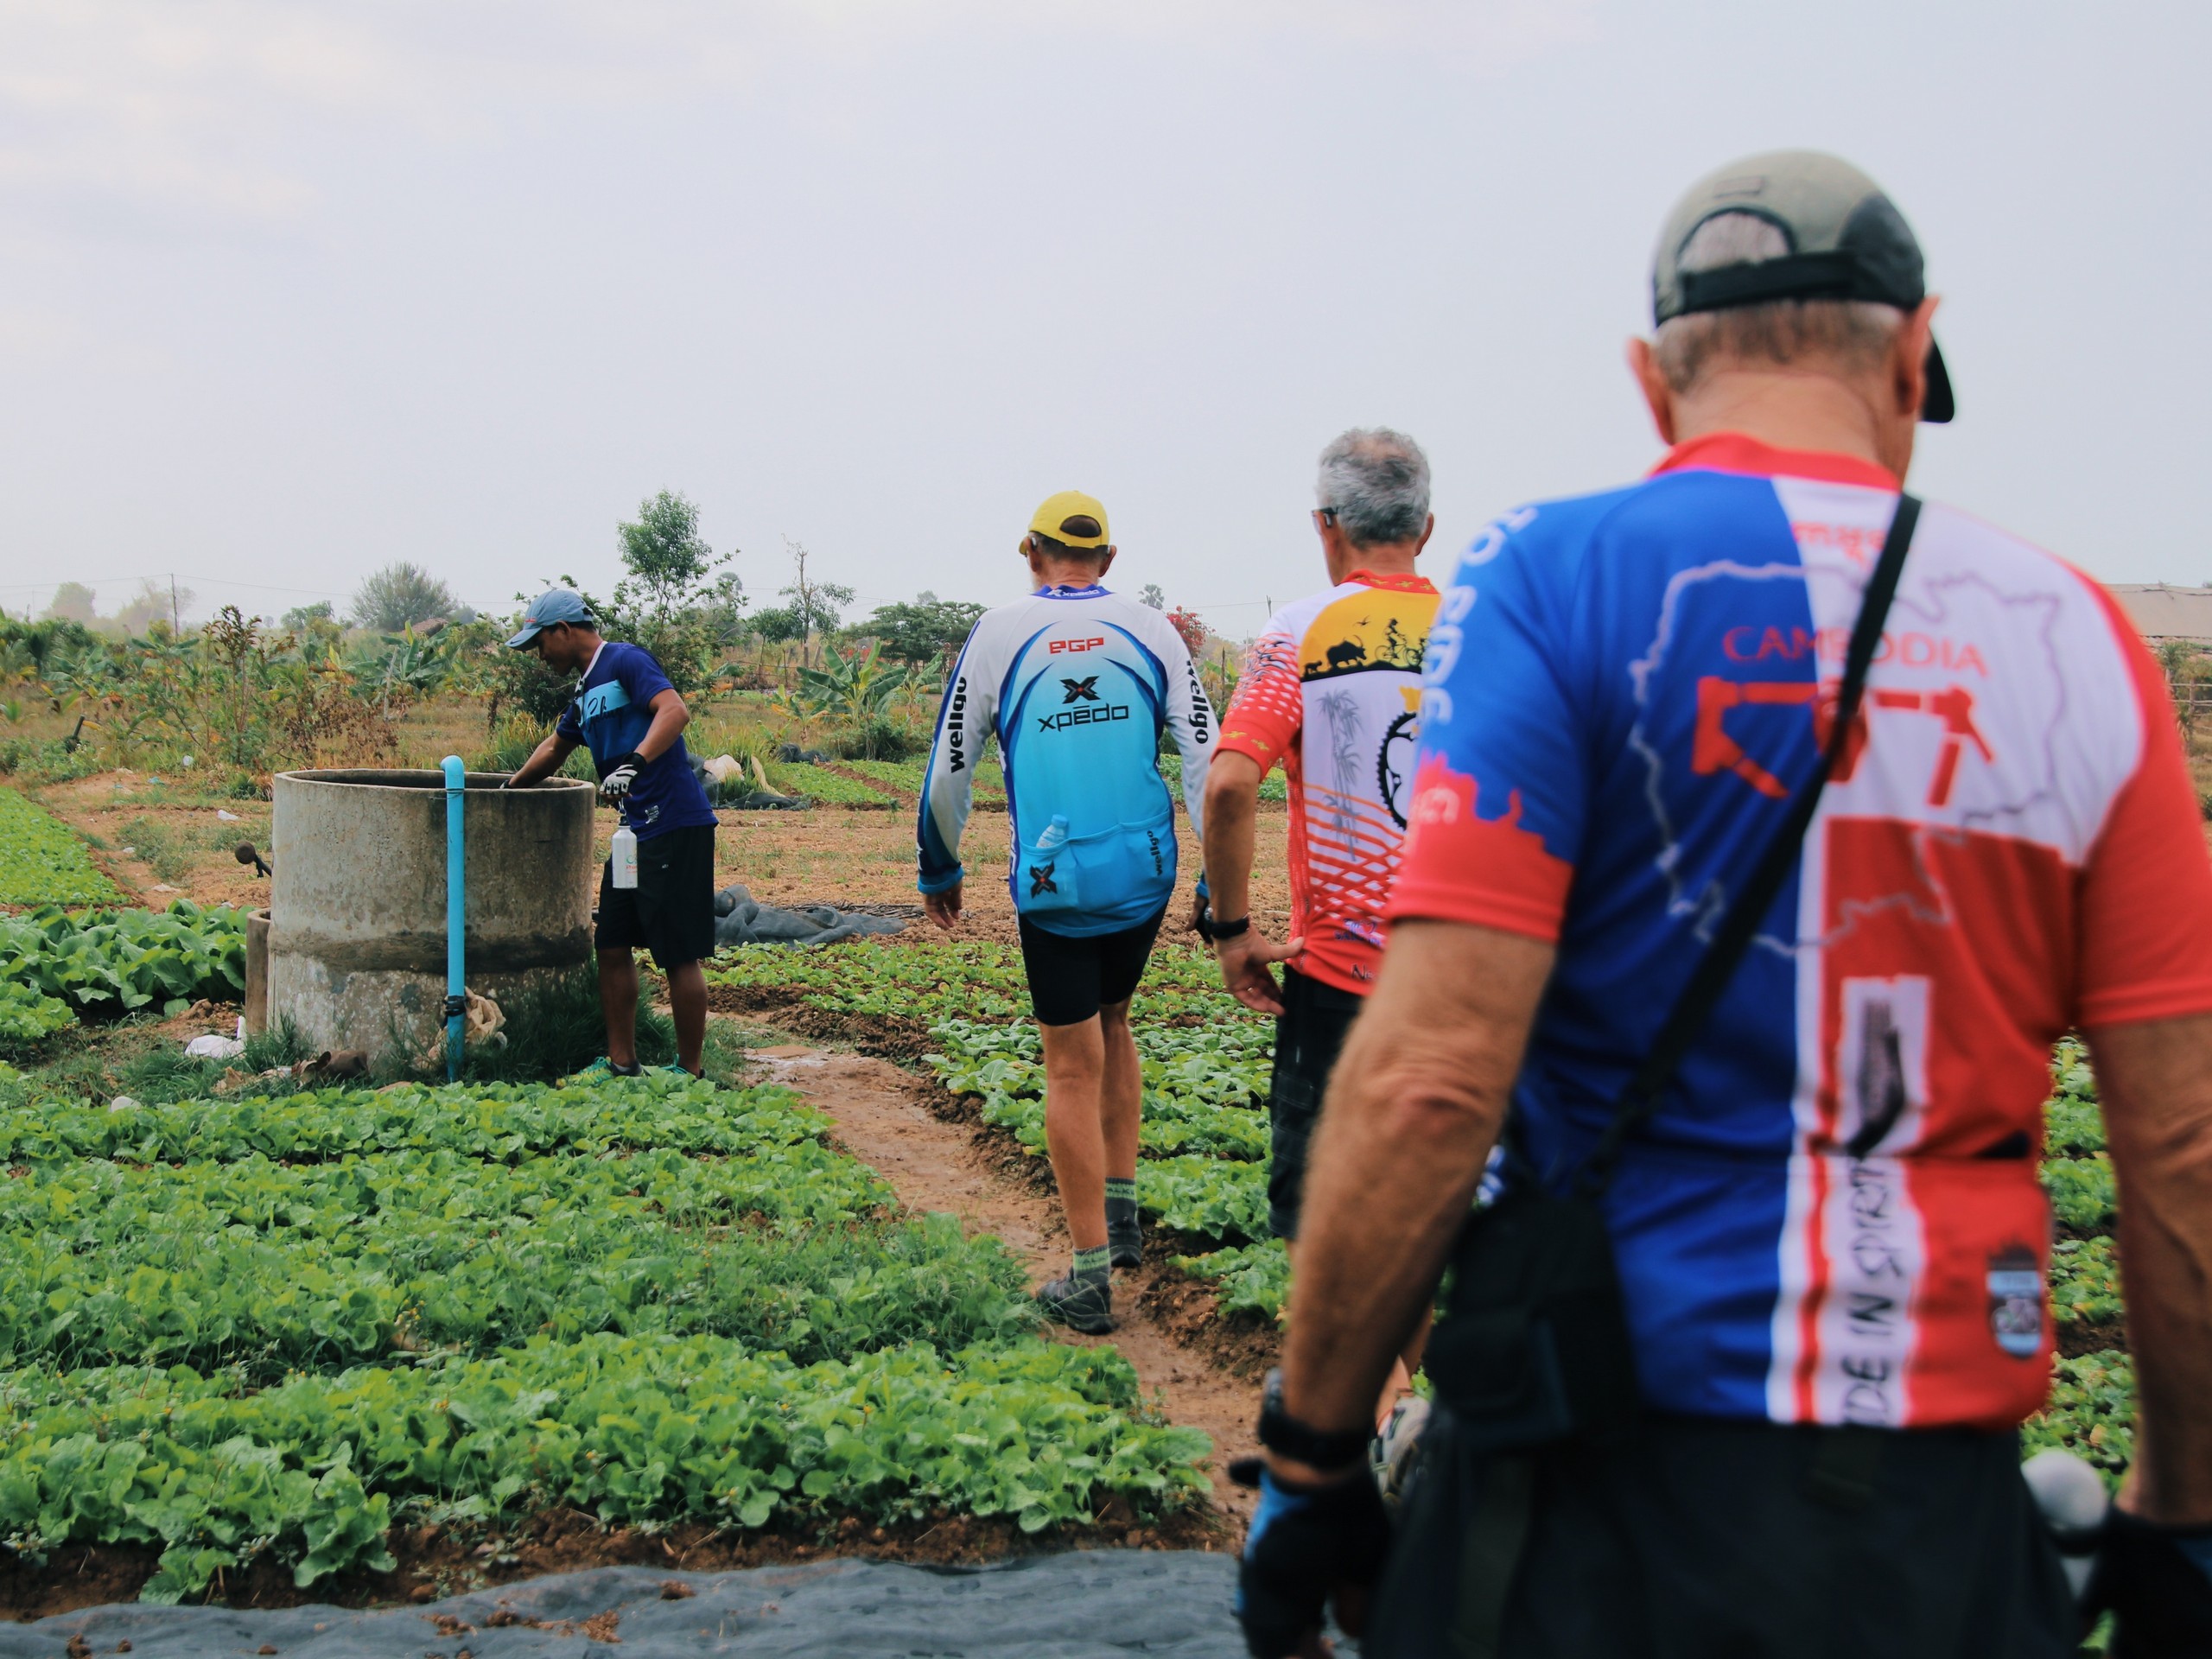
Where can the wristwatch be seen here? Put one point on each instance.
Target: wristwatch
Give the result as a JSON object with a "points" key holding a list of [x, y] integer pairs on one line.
{"points": [[1209, 930], [1301, 1443]]}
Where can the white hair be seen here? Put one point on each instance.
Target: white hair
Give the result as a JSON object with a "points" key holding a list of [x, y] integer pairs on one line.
{"points": [[1377, 483], [1854, 335]]}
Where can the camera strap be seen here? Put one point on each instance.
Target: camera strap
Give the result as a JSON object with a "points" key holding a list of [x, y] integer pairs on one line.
{"points": [[1740, 924]]}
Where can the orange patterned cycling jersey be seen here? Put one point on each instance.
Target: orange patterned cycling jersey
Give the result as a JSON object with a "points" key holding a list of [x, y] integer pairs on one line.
{"points": [[1332, 691]]}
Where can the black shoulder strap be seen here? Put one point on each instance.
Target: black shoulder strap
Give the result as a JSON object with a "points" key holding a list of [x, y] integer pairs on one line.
{"points": [[1740, 924]]}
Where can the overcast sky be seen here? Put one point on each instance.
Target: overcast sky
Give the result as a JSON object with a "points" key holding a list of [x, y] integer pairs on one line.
{"points": [[288, 290]]}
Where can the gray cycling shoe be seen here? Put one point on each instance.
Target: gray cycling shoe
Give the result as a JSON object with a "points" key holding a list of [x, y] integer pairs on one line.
{"points": [[1084, 1304]]}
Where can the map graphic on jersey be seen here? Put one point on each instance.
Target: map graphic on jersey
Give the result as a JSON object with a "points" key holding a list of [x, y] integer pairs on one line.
{"points": [[1076, 685], [1835, 1215], [1332, 691]]}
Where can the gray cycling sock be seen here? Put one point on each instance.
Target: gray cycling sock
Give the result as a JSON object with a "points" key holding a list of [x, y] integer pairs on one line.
{"points": [[1091, 1266], [1120, 1202]]}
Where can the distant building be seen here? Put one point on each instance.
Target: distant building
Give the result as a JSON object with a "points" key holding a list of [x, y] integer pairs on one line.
{"points": [[2161, 611]]}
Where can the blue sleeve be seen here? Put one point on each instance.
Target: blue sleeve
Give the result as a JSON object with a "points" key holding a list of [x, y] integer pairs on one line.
{"points": [[640, 675], [568, 727], [1500, 788]]}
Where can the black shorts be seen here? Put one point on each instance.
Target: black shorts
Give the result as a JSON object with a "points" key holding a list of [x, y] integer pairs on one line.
{"points": [[1703, 1537], [1309, 1032], [1071, 979], [671, 910]]}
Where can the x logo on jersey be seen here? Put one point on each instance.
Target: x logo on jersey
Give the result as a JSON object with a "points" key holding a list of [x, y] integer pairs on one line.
{"points": [[1040, 879], [1081, 690]]}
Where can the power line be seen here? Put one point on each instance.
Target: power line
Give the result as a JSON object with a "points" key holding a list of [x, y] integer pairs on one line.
{"points": [[169, 575]]}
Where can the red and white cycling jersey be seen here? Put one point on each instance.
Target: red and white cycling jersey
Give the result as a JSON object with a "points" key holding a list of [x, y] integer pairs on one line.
{"points": [[1332, 690], [1835, 1215]]}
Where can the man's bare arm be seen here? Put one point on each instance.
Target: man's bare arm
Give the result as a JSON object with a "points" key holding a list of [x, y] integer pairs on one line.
{"points": [[2155, 1081], [670, 716], [1414, 1105], [1232, 810], [545, 760]]}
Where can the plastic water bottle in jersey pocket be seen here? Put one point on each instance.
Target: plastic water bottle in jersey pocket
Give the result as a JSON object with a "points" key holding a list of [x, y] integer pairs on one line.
{"points": [[1045, 877], [1124, 867]]}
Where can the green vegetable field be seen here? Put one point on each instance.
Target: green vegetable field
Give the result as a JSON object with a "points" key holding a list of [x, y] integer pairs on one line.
{"points": [[58, 966], [1204, 1159], [281, 1327], [41, 863]]}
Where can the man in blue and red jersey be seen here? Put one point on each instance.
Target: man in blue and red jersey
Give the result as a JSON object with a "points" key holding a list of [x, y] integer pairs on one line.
{"points": [[1830, 1238], [632, 719]]}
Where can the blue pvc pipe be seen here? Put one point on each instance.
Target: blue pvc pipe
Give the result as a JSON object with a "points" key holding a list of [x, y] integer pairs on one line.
{"points": [[456, 915]]}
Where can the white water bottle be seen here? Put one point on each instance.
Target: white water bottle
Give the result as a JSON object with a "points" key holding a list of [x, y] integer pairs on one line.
{"points": [[622, 856], [1056, 835]]}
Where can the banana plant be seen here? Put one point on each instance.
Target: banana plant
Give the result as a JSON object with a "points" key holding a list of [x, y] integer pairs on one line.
{"points": [[854, 686]]}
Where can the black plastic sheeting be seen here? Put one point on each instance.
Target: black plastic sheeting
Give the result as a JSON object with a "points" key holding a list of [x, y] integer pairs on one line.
{"points": [[1089, 1605]]}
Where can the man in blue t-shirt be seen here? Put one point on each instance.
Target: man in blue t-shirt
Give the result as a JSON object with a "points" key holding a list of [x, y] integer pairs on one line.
{"points": [[633, 719]]}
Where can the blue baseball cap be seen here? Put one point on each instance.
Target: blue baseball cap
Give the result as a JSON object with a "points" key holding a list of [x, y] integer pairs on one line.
{"points": [[553, 605]]}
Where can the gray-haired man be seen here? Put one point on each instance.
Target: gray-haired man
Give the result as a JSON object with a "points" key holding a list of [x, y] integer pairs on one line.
{"points": [[1733, 1362], [1330, 693]]}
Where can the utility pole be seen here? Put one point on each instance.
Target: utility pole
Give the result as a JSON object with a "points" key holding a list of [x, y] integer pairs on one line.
{"points": [[176, 613]]}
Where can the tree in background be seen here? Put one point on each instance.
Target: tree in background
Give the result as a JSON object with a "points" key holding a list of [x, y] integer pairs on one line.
{"points": [[678, 600], [73, 602], [302, 618], [1191, 627], [921, 632], [398, 597], [1153, 597], [815, 607], [155, 602]]}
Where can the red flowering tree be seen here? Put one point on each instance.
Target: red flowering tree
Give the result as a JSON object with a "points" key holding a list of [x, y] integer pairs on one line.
{"points": [[1187, 624]]}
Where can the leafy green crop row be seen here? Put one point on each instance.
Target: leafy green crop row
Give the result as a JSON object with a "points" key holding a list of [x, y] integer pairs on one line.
{"points": [[908, 776], [821, 784], [40, 862], [634, 1430], [1203, 1139], [1204, 1149], [28, 1014], [99, 963], [500, 1122], [643, 1297], [925, 980], [1272, 787], [2091, 1413]]}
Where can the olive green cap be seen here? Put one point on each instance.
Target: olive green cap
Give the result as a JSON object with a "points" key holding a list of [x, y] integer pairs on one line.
{"points": [[1847, 241]]}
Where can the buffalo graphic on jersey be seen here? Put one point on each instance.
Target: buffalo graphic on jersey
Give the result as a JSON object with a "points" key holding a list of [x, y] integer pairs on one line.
{"points": [[1333, 692]]}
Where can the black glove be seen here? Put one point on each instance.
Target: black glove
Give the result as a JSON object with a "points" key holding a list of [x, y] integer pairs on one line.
{"points": [[2157, 1582], [1306, 1543], [621, 772]]}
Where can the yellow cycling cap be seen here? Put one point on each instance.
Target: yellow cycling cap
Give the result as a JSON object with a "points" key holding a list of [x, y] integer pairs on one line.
{"points": [[1071, 507]]}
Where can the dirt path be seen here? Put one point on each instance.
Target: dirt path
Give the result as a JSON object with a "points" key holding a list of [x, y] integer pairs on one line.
{"points": [[935, 1165]]}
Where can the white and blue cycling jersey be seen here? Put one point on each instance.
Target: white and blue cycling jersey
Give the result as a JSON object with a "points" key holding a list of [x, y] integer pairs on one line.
{"points": [[1076, 683]]}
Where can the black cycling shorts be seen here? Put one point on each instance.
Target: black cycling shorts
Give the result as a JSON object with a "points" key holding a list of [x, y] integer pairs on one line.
{"points": [[1309, 1033], [1696, 1537], [1070, 978], [671, 910]]}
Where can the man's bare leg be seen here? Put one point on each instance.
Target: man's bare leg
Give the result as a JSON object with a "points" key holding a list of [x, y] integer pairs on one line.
{"points": [[1121, 1104], [618, 1001], [686, 1001], [1074, 1137]]}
